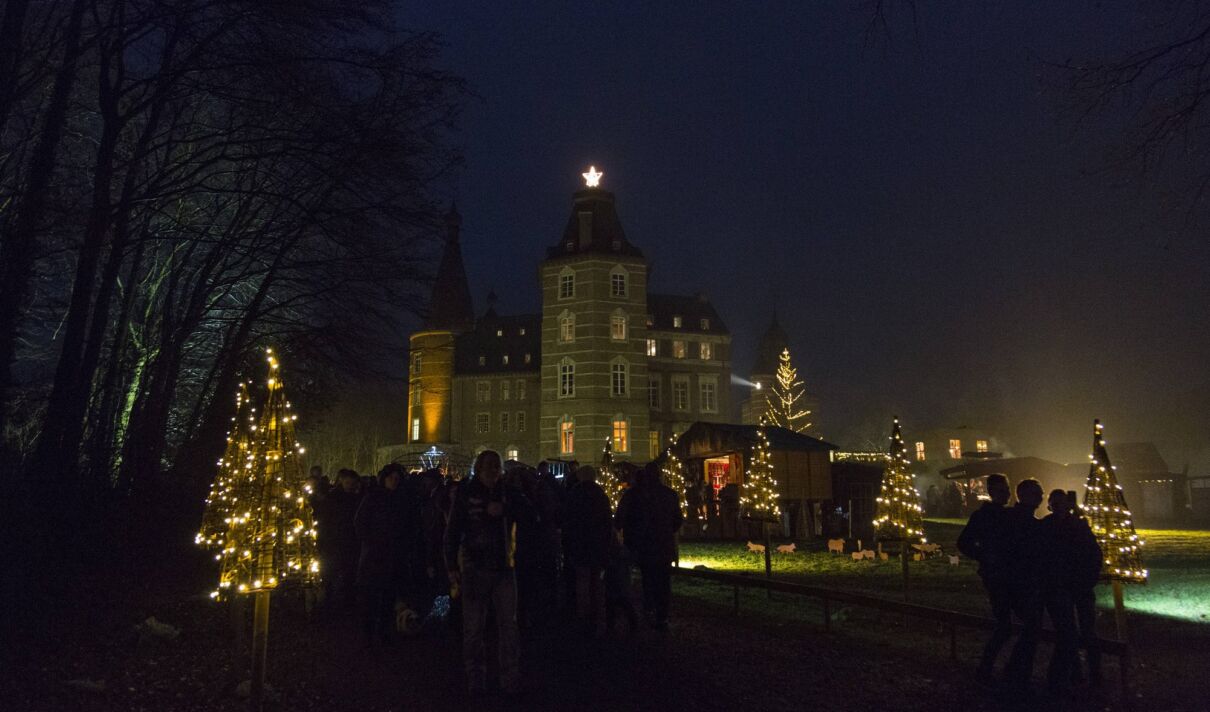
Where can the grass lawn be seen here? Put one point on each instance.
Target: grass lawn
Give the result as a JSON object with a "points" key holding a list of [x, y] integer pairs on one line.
{"points": [[1178, 562]]}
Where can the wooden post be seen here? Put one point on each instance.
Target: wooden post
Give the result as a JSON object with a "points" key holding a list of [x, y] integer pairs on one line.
{"points": [[260, 639], [768, 558], [1119, 611], [903, 555]]}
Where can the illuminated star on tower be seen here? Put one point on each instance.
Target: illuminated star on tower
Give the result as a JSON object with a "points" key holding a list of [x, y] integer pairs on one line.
{"points": [[593, 177]]}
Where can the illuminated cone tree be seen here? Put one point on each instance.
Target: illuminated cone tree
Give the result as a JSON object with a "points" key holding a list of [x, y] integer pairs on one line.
{"points": [[758, 496], [224, 495], [673, 474], [1110, 518], [784, 406], [608, 476], [898, 515]]}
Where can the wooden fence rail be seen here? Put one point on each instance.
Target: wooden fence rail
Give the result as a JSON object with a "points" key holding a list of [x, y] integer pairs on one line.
{"points": [[951, 619]]}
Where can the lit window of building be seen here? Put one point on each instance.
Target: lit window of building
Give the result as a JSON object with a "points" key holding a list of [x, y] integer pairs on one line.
{"points": [[705, 324], [521, 331], [416, 365], [653, 392], [920, 451], [678, 349], [567, 286], [677, 321], [680, 394], [709, 396], [512, 454], [499, 332], [621, 435], [567, 437], [482, 360], [483, 391], [415, 429], [482, 422], [504, 390], [504, 359], [956, 449], [567, 328], [520, 421], [617, 328], [981, 445], [617, 284], [618, 379], [707, 351], [529, 358], [653, 444], [504, 422], [652, 347], [567, 379]]}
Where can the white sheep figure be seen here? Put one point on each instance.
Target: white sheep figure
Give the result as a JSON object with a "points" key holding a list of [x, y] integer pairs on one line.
{"points": [[756, 548], [787, 548], [858, 556], [835, 546], [953, 560], [867, 554]]}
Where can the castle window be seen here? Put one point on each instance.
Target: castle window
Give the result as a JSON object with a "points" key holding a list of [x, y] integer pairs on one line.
{"points": [[981, 446], [482, 360], [528, 358], [678, 349], [653, 392], [652, 347], [522, 331], [618, 378], [617, 282], [504, 422], [567, 436], [706, 351], [499, 332], [504, 390], [512, 453], [653, 444], [680, 393], [520, 390], [621, 434], [520, 421], [415, 429], [705, 324], [567, 328], [617, 328], [567, 379], [504, 359], [920, 451], [567, 284], [483, 422], [483, 392], [956, 449], [676, 321], [416, 364], [709, 396]]}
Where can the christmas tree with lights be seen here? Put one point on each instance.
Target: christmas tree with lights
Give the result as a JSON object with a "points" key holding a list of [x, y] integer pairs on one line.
{"points": [[783, 407], [672, 471], [271, 533], [758, 496], [608, 476], [225, 490], [1110, 518], [898, 515]]}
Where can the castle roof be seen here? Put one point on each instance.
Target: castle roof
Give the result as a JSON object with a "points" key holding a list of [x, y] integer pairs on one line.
{"points": [[769, 349], [482, 349], [593, 227], [692, 310], [450, 305]]}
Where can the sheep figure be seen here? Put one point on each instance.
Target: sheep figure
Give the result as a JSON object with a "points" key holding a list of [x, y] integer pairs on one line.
{"points": [[787, 548], [835, 546], [756, 548], [954, 560]]}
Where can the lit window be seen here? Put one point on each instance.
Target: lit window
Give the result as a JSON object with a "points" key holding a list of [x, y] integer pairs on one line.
{"points": [[415, 429], [504, 390], [705, 324], [482, 422], [482, 360], [617, 328], [678, 349], [621, 435], [529, 358], [520, 390], [709, 396], [520, 421], [567, 437], [981, 445], [680, 395], [653, 444], [652, 347], [504, 359], [617, 284], [483, 392], [956, 449], [567, 380], [618, 379], [567, 285], [676, 322], [521, 331], [920, 451], [499, 332], [512, 454], [416, 365], [567, 327], [707, 351], [504, 422], [653, 392]]}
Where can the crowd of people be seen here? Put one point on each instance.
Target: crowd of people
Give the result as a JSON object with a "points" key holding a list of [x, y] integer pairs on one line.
{"points": [[1033, 566], [504, 545]]}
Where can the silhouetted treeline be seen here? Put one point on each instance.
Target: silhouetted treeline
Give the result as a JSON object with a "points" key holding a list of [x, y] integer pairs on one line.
{"points": [[184, 183]]}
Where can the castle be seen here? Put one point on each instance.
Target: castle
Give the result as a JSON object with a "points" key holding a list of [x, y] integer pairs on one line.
{"points": [[604, 358]]}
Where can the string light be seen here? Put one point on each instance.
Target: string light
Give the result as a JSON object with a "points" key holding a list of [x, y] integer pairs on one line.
{"points": [[1109, 517], [782, 405], [259, 495], [898, 515], [673, 472], [608, 478], [758, 496]]}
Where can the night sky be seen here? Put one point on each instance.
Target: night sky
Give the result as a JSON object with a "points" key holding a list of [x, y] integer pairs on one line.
{"points": [[931, 228]]}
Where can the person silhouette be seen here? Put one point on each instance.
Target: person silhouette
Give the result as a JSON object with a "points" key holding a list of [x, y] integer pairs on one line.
{"points": [[983, 540], [1023, 554]]}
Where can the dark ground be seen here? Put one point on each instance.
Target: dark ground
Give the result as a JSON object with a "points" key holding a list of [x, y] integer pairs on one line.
{"points": [[88, 656]]}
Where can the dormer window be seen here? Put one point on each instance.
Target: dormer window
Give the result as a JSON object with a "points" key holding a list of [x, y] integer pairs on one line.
{"points": [[705, 324], [499, 332], [528, 358], [482, 360], [504, 359], [522, 331], [677, 322]]}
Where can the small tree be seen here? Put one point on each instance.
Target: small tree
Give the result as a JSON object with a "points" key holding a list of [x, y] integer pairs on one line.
{"points": [[758, 496], [784, 406], [228, 483], [673, 473], [608, 477], [1110, 518], [898, 515]]}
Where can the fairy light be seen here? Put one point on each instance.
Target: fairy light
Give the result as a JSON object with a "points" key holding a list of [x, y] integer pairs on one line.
{"points": [[898, 515], [608, 478], [271, 537], [673, 472], [782, 406], [1109, 517], [758, 496]]}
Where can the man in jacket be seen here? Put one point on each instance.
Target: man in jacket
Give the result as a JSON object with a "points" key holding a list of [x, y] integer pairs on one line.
{"points": [[587, 530], [983, 539], [479, 542], [649, 516]]}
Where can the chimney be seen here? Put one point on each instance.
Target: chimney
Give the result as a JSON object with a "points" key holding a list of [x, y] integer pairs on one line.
{"points": [[585, 230]]}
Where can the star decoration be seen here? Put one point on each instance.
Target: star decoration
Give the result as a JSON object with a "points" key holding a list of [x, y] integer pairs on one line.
{"points": [[593, 177]]}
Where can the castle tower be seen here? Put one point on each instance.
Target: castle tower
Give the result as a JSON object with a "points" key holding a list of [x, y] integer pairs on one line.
{"points": [[594, 331], [764, 371], [431, 371]]}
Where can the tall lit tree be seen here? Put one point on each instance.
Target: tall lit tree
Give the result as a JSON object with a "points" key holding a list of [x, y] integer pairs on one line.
{"points": [[673, 474], [898, 515], [224, 494], [1110, 518], [758, 496], [784, 406], [608, 476]]}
